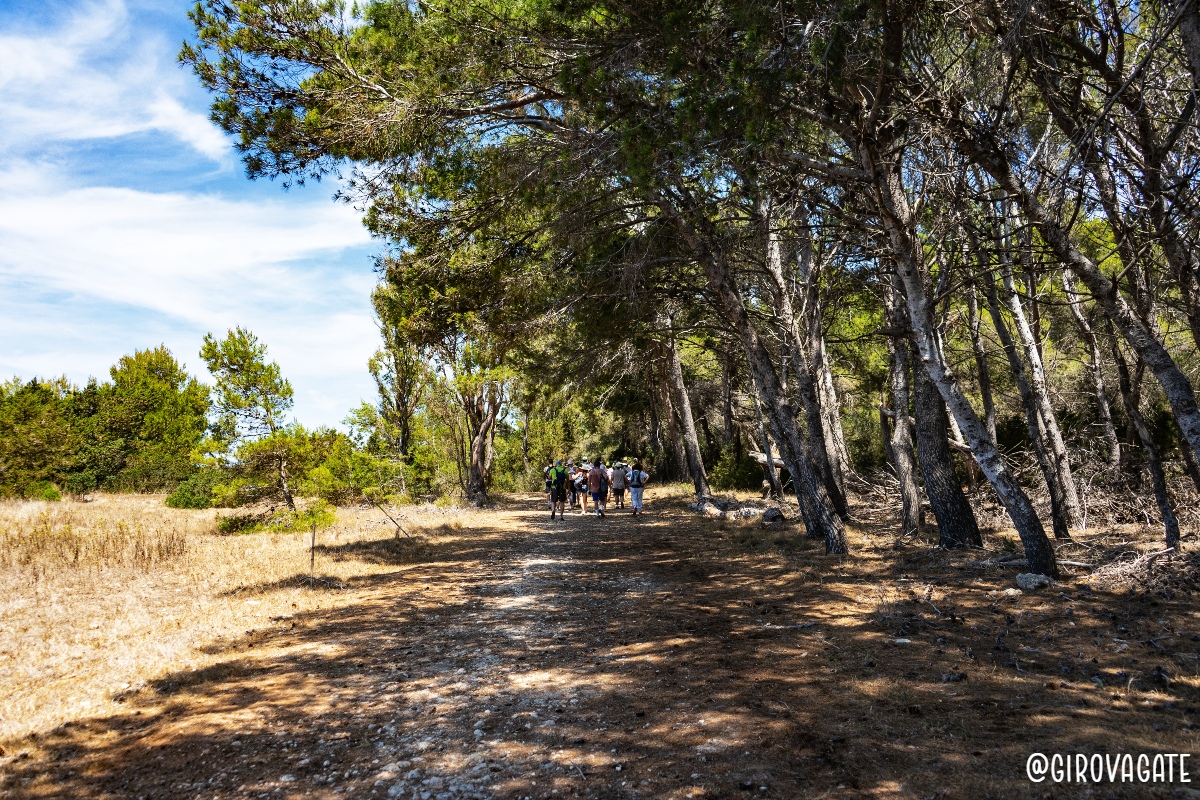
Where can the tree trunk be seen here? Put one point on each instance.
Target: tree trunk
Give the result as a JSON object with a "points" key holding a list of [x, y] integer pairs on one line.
{"points": [[1108, 431], [1153, 459], [281, 465], [806, 388], [902, 429], [1056, 448], [827, 400], [691, 442], [957, 526], [732, 434], [981, 365], [885, 424], [819, 517], [479, 451], [900, 226], [1033, 420], [676, 455], [1174, 382], [772, 475]]}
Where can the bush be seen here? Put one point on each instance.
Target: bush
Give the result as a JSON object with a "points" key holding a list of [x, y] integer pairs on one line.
{"points": [[43, 490], [731, 472], [284, 520], [196, 491]]}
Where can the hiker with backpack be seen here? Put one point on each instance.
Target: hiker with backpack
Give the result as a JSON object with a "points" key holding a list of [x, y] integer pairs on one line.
{"points": [[598, 485], [558, 488], [637, 484], [581, 486], [549, 489], [618, 483]]}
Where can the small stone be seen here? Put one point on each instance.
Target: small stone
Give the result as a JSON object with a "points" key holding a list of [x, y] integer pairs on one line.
{"points": [[287, 779], [1011, 593], [772, 515]]}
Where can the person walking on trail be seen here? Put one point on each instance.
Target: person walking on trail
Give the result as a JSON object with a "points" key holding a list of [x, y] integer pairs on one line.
{"points": [[637, 484], [572, 485], [598, 486], [581, 486], [558, 489], [618, 485], [549, 488]]}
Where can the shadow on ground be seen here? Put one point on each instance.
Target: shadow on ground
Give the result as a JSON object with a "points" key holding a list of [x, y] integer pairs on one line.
{"points": [[662, 657]]}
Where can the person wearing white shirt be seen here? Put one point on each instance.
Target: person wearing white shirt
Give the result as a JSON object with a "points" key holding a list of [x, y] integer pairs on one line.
{"points": [[636, 479]]}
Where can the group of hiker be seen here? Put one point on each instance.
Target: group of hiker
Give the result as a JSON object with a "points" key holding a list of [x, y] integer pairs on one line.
{"points": [[571, 485]]}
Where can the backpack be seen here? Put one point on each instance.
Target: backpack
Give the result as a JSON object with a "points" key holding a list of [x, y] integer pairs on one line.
{"points": [[635, 479], [558, 475]]}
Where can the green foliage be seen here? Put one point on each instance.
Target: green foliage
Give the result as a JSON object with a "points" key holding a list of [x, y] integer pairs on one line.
{"points": [[283, 520], [732, 472], [197, 491], [43, 490], [252, 395], [135, 433]]}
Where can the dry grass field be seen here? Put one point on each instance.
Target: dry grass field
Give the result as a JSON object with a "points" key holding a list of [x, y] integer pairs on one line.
{"points": [[502, 655], [97, 598]]}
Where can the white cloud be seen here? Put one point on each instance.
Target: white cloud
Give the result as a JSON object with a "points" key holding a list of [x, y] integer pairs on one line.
{"points": [[89, 271], [98, 76], [128, 257]]}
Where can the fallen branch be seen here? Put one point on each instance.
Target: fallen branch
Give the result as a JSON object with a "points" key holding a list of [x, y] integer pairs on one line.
{"points": [[399, 527]]}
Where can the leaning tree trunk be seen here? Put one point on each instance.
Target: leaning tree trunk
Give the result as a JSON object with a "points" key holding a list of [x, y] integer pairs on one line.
{"points": [[1108, 431], [1040, 395], [819, 517], [1175, 384], [805, 385], [1158, 478], [957, 526], [691, 443], [984, 375], [1033, 419], [902, 429], [900, 224]]}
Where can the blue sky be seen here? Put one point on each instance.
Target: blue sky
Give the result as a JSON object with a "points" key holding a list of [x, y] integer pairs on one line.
{"points": [[126, 219]]}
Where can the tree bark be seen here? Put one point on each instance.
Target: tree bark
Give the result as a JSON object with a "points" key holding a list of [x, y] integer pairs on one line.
{"points": [[806, 388], [900, 225], [772, 475], [691, 442], [957, 526], [1108, 430], [1158, 478], [827, 400], [819, 517], [1056, 448], [487, 407], [902, 433], [1033, 420]]}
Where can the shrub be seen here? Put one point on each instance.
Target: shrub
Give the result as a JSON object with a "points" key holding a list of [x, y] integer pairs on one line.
{"points": [[283, 520], [43, 490], [196, 491], [731, 472]]}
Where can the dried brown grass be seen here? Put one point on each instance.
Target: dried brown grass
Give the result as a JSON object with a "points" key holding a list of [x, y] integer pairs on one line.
{"points": [[98, 598]]}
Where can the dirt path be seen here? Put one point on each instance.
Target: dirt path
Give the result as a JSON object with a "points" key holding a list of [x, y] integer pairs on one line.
{"points": [[614, 658]]}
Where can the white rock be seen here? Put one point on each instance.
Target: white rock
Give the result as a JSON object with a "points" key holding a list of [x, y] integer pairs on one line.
{"points": [[1031, 581]]}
